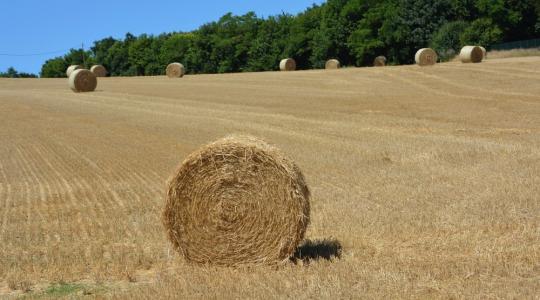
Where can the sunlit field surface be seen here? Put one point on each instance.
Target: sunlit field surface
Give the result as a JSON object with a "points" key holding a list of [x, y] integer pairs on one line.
{"points": [[428, 178]]}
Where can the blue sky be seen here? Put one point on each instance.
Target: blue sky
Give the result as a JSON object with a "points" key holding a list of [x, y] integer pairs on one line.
{"points": [[44, 26]]}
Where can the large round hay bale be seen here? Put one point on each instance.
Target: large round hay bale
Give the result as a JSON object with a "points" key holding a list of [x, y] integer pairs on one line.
{"points": [[426, 57], [175, 70], [484, 52], [332, 64], [72, 68], [99, 70], [237, 201], [379, 61], [287, 64], [471, 54], [82, 80]]}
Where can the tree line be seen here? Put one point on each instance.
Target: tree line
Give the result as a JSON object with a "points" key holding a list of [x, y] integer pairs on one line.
{"points": [[12, 73], [353, 31]]}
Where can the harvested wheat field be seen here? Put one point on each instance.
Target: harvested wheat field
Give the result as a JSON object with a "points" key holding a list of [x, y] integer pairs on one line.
{"points": [[428, 179]]}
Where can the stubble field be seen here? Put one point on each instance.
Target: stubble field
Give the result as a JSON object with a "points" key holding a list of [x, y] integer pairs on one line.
{"points": [[428, 178]]}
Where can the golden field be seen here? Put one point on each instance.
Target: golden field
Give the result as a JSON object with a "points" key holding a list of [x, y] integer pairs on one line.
{"points": [[428, 178]]}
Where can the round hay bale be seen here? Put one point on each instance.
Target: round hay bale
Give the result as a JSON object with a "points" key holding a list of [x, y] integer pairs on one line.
{"points": [[484, 52], [99, 70], [72, 68], [287, 64], [333, 64], [237, 201], [82, 80], [471, 54], [426, 57], [379, 61], [175, 70]]}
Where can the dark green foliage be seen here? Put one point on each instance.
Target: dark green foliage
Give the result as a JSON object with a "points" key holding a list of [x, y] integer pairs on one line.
{"points": [[116, 60], [353, 31], [482, 32], [331, 34], [54, 68], [12, 73], [175, 48], [447, 40], [269, 44], [79, 57], [377, 34], [101, 51]]}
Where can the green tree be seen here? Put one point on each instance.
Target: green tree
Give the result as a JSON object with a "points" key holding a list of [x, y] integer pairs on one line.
{"points": [[101, 50], [481, 32], [54, 68], [302, 32], [446, 41], [512, 19], [268, 47], [375, 33], [140, 54], [79, 57], [199, 55], [117, 59], [12, 73], [175, 49], [418, 20], [354, 31]]}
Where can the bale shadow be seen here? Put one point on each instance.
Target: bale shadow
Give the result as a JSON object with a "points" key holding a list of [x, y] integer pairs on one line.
{"points": [[313, 250]]}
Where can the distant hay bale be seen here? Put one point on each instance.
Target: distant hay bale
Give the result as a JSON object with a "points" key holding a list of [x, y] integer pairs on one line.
{"points": [[379, 61], [99, 70], [287, 64], [72, 68], [471, 54], [82, 80], [426, 57], [175, 70], [484, 52], [237, 201], [333, 64]]}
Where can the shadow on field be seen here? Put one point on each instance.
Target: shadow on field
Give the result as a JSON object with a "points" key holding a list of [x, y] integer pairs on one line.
{"points": [[313, 250]]}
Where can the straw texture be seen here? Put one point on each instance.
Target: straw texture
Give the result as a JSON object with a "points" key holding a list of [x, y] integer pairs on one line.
{"points": [[333, 64], [72, 68], [82, 80], [175, 70], [426, 57], [287, 64], [379, 61], [484, 52], [471, 54], [99, 70], [237, 201]]}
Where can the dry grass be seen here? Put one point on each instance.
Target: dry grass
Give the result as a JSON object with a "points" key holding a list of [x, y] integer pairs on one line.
{"points": [[427, 185], [514, 53]]}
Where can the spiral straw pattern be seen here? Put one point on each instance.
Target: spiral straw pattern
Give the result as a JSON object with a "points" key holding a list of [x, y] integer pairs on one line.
{"points": [[287, 64], [175, 70], [237, 201], [82, 80]]}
